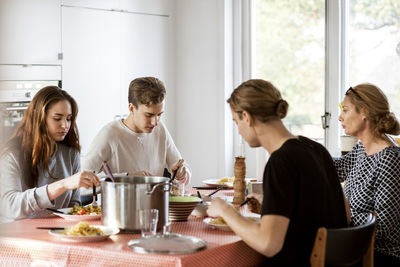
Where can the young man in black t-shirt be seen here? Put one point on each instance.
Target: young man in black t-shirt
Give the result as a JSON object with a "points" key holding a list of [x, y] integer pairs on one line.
{"points": [[301, 187], [300, 183]]}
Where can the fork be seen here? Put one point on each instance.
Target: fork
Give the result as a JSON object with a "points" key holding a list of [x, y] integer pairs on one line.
{"points": [[94, 203]]}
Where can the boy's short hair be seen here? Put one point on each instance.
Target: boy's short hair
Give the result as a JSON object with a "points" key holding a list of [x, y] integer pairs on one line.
{"points": [[146, 91]]}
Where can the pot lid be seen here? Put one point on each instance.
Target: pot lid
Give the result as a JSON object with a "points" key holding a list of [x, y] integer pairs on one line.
{"points": [[167, 244]]}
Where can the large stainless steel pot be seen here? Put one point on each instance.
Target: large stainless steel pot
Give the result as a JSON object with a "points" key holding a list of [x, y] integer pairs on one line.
{"points": [[122, 200]]}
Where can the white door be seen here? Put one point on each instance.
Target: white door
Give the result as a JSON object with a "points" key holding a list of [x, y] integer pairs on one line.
{"points": [[91, 67], [147, 51]]}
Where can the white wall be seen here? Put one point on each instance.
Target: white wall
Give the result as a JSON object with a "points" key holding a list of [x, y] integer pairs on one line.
{"points": [[204, 80], [200, 88]]}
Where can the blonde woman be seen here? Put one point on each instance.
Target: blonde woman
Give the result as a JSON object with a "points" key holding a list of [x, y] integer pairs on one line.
{"points": [[372, 169], [40, 165], [301, 187]]}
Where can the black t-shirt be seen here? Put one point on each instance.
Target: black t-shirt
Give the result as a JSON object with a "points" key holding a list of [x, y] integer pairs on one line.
{"points": [[301, 183]]}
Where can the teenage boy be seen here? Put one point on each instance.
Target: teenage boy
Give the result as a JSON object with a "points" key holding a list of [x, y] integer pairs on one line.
{"points": [[139, 144]]}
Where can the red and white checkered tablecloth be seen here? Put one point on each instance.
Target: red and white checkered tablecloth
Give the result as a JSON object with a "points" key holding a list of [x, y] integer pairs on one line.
{"points": [[21, 244]]}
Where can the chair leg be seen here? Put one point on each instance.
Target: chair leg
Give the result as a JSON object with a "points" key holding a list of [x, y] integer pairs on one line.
{"points": [[368, 258], [317, 258]]}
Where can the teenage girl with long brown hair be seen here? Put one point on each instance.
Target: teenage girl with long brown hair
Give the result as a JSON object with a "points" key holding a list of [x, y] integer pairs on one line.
{"points": [[40, 164]]}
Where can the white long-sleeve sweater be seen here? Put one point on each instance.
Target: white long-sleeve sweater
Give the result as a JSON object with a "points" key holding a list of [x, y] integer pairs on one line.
{"points": [[127, 151]]}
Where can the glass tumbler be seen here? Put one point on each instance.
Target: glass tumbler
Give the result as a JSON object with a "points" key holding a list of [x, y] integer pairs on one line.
{"points": [[148, 221]]}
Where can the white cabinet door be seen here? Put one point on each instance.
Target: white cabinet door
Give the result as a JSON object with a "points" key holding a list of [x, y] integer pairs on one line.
{"points": [[147, 50], [105, 50], [30, 31], [91, 67]]}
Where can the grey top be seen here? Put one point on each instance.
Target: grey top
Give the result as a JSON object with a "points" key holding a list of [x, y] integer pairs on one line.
{"points": [[18, 200]]}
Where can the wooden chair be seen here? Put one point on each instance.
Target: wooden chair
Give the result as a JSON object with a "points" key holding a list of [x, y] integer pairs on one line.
{"points": [[345, 246]]}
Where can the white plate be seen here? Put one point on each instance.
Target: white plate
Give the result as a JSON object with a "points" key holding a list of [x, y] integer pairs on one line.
{"points": [[71, 217], [224, 227], [107, 232], [214, 182]]}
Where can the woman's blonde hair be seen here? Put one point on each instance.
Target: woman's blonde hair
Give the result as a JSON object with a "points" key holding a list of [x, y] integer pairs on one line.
{"points": [[370, 99], [260, 99], [32, 133]]}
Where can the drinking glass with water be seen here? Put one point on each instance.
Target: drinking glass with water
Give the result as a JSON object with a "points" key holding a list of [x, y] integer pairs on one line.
{"points": [[148, 221]]}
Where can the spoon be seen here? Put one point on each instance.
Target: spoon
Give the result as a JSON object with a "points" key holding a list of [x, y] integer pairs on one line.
{"points": [[108, 171], [198, 194], [180, 162], [56, 211], [94, 203], [244, 202], [173, 175], [222, 187]]}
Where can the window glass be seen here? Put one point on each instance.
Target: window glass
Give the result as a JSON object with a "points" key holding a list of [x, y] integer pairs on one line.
{"points": [[374, 46], [290, 52]]}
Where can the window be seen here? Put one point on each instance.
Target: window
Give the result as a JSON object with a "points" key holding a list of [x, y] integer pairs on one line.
{"points": [[374, 46], [290, 52], [312, 51]]}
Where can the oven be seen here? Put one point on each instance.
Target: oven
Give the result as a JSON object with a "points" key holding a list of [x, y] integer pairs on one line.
{"points": [[15, 97]]}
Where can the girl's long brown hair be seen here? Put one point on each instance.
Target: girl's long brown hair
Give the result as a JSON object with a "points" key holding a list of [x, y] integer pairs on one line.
{"points": [[32, 133]]}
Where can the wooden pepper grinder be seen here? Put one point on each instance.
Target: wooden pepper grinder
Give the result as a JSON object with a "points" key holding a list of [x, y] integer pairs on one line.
{"points": [[239, 184]]}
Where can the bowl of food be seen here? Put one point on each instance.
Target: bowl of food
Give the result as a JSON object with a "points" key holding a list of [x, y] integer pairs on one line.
{"points": [[200, 210], [180, 207]]}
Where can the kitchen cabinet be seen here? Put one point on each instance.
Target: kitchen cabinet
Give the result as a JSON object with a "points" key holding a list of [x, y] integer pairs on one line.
{"points": [[30, 32], [103, 51], [146, 51], [91, 67]]}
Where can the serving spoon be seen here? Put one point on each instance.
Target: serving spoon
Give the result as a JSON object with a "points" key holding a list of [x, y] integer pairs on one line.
{"points": [[56, 211], [94, 203]]}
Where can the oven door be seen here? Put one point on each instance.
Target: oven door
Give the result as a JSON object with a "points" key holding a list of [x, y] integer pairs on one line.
{"points": [[15, 97], [11, 115]]}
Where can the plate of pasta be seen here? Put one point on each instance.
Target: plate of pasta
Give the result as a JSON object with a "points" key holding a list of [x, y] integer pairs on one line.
{"points": [[217, 223], [84, 232], [220, 224], [80, 213], [225, 181]]}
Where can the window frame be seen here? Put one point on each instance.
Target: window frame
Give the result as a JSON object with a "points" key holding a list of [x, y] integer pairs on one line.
{"points": [[336, 55]]}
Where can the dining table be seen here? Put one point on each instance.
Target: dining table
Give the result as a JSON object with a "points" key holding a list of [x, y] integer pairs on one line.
{"points": [[22, 244]]}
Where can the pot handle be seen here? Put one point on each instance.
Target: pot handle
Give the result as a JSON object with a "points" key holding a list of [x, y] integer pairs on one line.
{"points": [[157, 185]]}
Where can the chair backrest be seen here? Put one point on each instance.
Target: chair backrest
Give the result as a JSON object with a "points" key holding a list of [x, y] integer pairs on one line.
{"points": [[345, 246]]}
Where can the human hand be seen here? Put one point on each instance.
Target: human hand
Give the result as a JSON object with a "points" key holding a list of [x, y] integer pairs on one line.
{"points": [[216, 208], [81, 179], [254, 204], [182, 172]]}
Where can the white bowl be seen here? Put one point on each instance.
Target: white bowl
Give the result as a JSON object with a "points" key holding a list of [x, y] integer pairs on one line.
{"points": [[201, 209]]}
